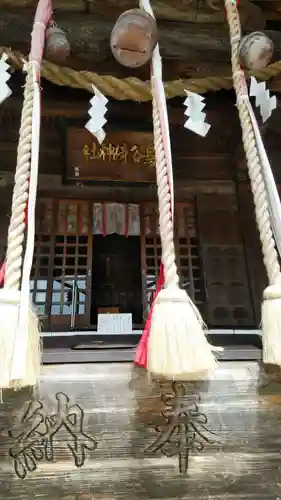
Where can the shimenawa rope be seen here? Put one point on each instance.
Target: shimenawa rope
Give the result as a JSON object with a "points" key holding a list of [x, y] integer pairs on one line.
{"points": [[132, 88]]}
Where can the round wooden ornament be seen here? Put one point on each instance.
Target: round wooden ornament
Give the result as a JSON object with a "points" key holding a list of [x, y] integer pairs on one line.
{"points": [[255, 51], [133, 38], [57, 46]]}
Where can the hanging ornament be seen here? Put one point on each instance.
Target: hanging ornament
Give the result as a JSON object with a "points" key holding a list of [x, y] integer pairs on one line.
{"points": [[5, 91], [255, 51], [97, 113], [57, 45], [134, 38], [196, 121], [262, 97]]}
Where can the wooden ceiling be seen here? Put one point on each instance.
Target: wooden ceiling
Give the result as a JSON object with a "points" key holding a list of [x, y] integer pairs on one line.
{"points": [[193, 33]]}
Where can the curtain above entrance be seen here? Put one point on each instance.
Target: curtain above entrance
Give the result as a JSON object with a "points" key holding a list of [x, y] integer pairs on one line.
{"points": [[116, 218]]}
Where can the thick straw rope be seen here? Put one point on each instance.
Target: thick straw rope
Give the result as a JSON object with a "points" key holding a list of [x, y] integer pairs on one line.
{"points": [[20, 193], [165, 208], [253, 160], [132, 88]]}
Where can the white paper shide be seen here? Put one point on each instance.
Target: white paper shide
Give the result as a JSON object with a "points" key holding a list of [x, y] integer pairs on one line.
{"points": [[5, 91], [97, 113], [263, 100], [195, 104]]}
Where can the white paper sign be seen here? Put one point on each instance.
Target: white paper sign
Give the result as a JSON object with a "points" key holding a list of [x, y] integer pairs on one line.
{"points": [[115, 323]]}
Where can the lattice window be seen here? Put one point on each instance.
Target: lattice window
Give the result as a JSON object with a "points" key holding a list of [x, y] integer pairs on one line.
{"points": [[39, 275], [70, 270], [187, 250], [187, 246], [42, 252], [70, 267], [60, 265], [152, 250]]}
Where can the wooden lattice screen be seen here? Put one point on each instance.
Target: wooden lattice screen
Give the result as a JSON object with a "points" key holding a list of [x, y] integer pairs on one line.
{"points": [[187, 250], [61, 261]]}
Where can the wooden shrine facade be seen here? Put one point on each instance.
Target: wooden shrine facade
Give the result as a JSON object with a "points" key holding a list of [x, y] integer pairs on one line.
{"points": [[76, 267], [211, 261]]}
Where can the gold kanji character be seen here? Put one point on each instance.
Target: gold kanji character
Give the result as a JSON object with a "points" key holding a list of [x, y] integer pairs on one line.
{"points": [[123, 153], [150, 155], [86, 152], [94, 152], [137, 156], [103, 152], [112, 152]]}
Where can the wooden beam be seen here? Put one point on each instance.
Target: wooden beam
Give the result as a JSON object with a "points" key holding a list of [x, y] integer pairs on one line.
{"points": [[89, 37], [271, 8], [220, 111], [191, 11], [275, 84]]}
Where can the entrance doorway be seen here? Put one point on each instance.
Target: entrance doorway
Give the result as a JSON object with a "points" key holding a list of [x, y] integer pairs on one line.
{"points": [[116, 277]]}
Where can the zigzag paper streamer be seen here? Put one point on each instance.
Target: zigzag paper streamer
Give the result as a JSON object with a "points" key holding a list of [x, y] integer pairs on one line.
{"points": [[195, 103], [262, 98], [5, 91], [97, 113]]}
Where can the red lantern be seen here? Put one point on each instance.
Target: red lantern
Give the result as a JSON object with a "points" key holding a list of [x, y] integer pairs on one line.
{"points": [[133, 38], [57, 46]]}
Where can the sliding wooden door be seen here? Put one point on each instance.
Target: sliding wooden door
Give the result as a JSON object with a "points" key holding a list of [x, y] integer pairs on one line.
{"points": [[223, 254], [61, 281]]}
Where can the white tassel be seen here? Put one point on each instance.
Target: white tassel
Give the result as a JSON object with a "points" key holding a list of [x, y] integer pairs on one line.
{"points": [[20, 354], [271, 306], [177, 345], [9, 312], [271, 325], [25, 368]]}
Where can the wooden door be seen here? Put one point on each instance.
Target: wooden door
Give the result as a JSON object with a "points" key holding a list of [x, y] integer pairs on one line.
{"points": [[225, 274], [116, 280], [62, 264], [254, 259]]}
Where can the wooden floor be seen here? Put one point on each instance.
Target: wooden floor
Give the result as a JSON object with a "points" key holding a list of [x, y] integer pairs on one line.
{"points": [[97, 431]]}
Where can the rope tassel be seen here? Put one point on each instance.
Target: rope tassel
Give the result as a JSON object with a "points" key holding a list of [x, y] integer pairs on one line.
{"points": [[20, 354], [265, 208], [177, 347]]}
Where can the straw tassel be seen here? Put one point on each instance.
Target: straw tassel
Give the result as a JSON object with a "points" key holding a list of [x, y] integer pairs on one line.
{"points": [[265, 199], [141, 352], [177, 346], [19, 334]]}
